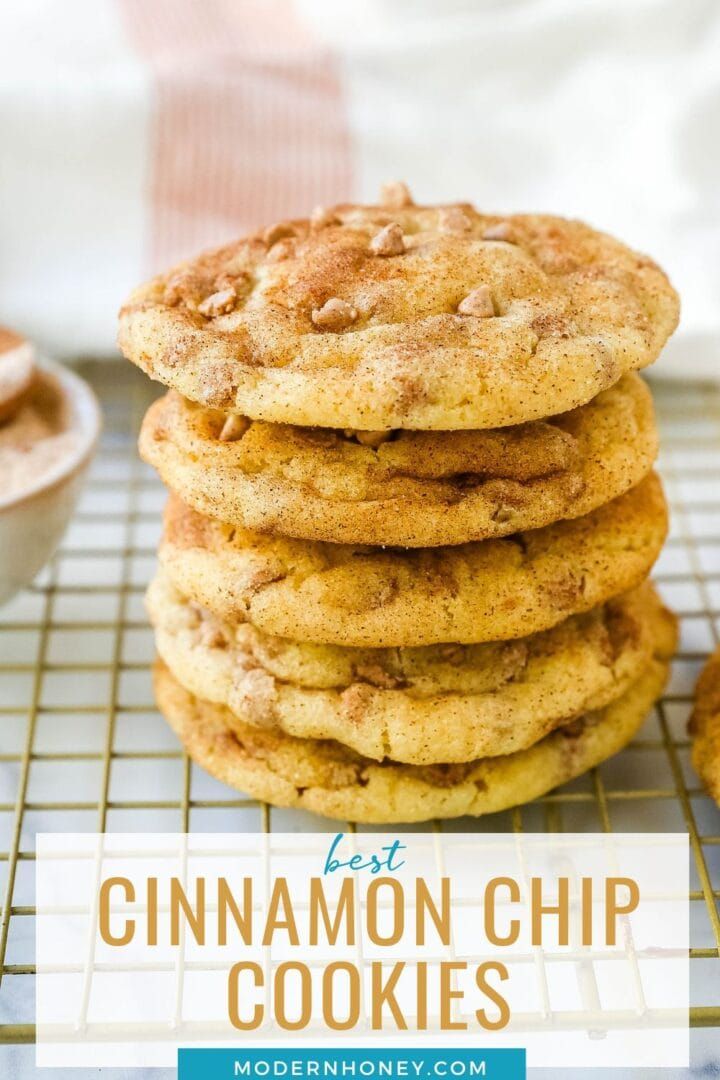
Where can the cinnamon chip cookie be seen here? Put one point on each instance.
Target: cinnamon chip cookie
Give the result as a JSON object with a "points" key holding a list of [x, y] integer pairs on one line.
{"points": [[403, 316], [404, 488], [364, 596], [704, 727], [438, 703], [329, 779]]}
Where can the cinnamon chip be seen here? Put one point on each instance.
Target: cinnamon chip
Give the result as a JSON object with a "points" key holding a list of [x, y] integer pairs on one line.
{"points": [[452, 653], [334, 315], [372, 438], [455, 220], [478, 303], [219, 303], [256, 693], [376, 675], [278, 232], [389, 241], [501, 231], [395, 195], [322, 216], [235, 280], [212, 636], [283, 249], [178, 287], [234, 428]]}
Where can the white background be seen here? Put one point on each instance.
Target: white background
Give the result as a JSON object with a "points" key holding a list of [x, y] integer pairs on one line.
{"points": [[607, 109]]}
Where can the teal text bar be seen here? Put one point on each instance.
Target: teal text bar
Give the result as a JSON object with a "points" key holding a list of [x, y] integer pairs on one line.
{"points": [[351, 1064]]}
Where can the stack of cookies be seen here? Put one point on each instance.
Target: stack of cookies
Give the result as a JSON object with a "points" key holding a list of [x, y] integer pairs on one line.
{"points": [[404, 566]]}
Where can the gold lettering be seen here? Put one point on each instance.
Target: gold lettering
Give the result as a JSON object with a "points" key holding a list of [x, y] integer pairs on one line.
{"points": [[383, 993], [495, 997], [152, 912], [448, 995], [328, 995], [344, 912], [424, 903], [561, 909], [398, 911], [305, 996], [105, 933], [195, 919], [489, 911], [234, 996], [613, 908], [280, 898], [242, 919]]}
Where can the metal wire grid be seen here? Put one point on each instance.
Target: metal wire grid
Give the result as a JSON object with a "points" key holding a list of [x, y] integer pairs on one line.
{"points": [[82, 747]]}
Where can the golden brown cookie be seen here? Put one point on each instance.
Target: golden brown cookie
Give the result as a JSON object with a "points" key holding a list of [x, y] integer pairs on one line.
{"points": [[329, 779], [403, 316], [704, 727], [411, 488], [362, 596], [445, 703]]}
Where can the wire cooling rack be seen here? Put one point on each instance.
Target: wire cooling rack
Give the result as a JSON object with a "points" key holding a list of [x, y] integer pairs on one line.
{"points": [[82, 747]]}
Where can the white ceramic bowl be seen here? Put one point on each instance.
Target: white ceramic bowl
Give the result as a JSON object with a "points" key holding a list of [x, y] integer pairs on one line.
{"points": [[33, 521]]}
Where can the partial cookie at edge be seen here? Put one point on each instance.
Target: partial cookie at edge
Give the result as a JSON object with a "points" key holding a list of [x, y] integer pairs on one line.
{"points": [[704, 727]]}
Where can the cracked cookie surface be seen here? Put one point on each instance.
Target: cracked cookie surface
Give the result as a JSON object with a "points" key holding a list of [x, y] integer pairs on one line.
{"points": [[403, 488], [438, 703], [327, 778], [704, 727], [453, 320], [364, 596]]}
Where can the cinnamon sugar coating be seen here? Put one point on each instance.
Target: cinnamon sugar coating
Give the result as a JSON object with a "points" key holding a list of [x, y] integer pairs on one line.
{"points": [[421, 705], [326, 778], [404, 488], [401, 345], [364, 596]]}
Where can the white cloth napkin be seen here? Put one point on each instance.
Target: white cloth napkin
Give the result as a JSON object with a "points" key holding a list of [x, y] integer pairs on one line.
{"points": [[135, 133]]}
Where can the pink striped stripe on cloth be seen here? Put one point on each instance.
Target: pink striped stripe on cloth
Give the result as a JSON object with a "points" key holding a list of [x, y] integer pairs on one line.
{"points": [[249, 121]]}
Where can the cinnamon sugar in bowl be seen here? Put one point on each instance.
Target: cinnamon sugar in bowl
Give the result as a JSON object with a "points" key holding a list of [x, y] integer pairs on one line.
{"points": [[49, 424]]}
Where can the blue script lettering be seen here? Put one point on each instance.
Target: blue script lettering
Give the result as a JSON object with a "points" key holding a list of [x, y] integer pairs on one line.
{"points": [[375, 863]]}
